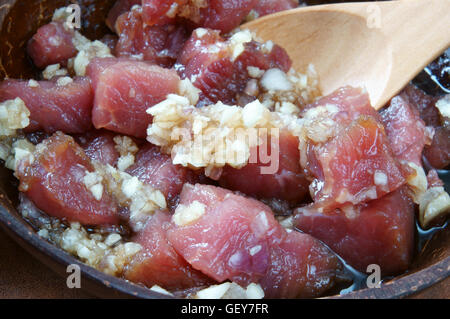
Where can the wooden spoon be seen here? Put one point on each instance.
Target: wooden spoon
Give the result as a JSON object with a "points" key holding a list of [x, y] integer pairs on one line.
{"points": [[377, 45]]}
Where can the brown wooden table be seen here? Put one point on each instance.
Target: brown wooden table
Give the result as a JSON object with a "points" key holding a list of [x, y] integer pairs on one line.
{"points": [[22, 276]]}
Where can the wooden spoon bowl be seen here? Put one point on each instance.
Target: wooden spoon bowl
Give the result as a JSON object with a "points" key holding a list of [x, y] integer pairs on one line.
{"points": [[431, 266], [380, 46]]}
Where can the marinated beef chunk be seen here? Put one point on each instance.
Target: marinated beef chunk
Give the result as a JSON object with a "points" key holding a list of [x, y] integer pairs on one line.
{"points": [[159, 12], [208, 61], [346, 151], [405, 129], [96, 67], [264, 7], [99, 146], [51, 44], [287, 182], [158, 263], [378, 232], [219, 243], [349, 104], [230, 237], [438, 153], [300, 267], [54, 181], [424, 103], [119, 8], [433, 179], [159, 44], [156, 169], [225, 15], [125, 90], [222, 15], [61, 104], [354, 167]]}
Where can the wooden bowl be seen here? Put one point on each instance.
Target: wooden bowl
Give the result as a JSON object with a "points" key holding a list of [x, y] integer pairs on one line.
{"points": [[19, 20]]}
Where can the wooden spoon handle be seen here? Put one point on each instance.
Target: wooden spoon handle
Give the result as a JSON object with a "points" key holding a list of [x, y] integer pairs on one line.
{"points": [[416, 31]]}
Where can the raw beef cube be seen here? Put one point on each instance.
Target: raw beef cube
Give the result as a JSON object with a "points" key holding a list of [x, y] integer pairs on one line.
{"points": [[159, 44], [51, 44], [356, 166], [155, 168], [125, 90], [158, 263], [300, 267], [346, 152], [225, 15], [54, 181], [158, 11], [350, 102], [438, 153], [287, 183], [96, 67], [264, 7], [231, 240], [54, 106], [222, 15], [405, 130], [379, 232], [207, 59], [230, 237], [119, 8], [424, 103], [99, 146]]}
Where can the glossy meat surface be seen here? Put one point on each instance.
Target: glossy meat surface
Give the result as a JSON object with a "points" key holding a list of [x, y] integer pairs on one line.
{"points": [[119, 8], [356, 166], [125, 90], [379, 232], [288, 182], [207, 60], [219, 243], [54, 181], [158, 263], [54, 107], [156, 169], [51, 44], [264, 7], [438, 153], [350, 161], [238, 238], [405, 130], [225, 15], [159, 44], [300, 267], [99, 146]]}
